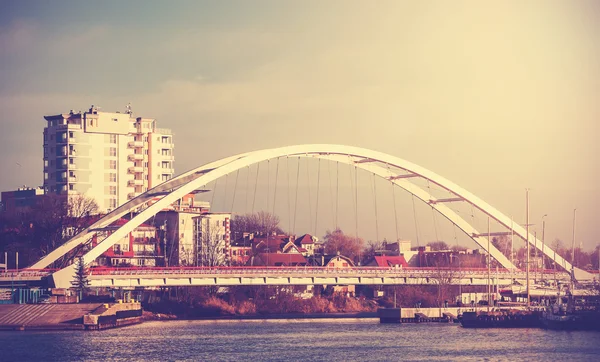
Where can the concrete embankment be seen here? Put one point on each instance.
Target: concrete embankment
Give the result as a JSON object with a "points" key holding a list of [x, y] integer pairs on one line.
{"points": [[419, 315], [287, 316], [68, 316]]}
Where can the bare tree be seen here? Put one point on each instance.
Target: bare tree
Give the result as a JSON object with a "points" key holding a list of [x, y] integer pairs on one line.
{"points": [[211, 243], [438, 245], [445, 277], [338, 242], [261, 222]]}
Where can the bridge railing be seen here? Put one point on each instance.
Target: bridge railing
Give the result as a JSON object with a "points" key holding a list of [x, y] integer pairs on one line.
{"points": [[281, 270], [25, 273]]}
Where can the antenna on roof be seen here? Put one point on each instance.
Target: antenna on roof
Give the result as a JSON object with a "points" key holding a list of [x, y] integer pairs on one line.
{"points": [[128, 109]]}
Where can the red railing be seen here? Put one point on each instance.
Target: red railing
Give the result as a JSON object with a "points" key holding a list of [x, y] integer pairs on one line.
{"points": [[283, 270]]}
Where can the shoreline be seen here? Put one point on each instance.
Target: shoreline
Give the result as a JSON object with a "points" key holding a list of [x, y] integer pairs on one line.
{"points": [[281, 316]]}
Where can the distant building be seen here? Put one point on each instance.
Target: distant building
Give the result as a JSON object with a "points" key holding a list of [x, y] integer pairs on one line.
{"points": [[212, 236], [307, 244], [21, 199], [241, 249], [192, 235], [278, 259], [388, 262], [109, 157], [138, 248]]}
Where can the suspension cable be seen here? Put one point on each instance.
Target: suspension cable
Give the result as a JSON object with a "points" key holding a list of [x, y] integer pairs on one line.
{"points": [[296, 200], [225, 197], [356, 198], [394, 202], [287, 168], [317, 201], [268, 185], [375, 204], [309, 196], [330, 193], [337, 193], [213, 194], [247, 189], [275, 186], [415, 218], [237, 174], [255, 185]]}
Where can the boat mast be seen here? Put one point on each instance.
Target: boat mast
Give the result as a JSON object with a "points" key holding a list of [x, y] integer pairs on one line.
{"points": [[536, 270], [573, 243], [489, 284], [543, 237], [527, 242], [512, 253]]}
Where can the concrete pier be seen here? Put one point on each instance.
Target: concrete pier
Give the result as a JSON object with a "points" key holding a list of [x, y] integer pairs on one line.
{"points": [[419, 315]]}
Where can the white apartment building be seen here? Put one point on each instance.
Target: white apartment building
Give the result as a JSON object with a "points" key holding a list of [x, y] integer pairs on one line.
{"points": [[110, 157], [212, 236]]}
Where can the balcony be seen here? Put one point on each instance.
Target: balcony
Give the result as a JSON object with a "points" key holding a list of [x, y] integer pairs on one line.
{"points": [[131, 195], [136, 157], [163, 131], [135, 144], [136, 183], [72, 178], [135, 169]]}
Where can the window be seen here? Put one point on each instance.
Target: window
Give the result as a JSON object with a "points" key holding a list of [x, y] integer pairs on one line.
{"points": [[113, 164], [115, 119], [112, 203], [113, 138], [71, 187], [112, 190], [112, 177], [113, 151], [71, 162], [71, 134]]}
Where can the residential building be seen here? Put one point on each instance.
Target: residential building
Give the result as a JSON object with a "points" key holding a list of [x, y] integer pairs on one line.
{"points": [[109, 157], [138, 248], [176, 232], [212, 236], [388, 262], [278, 259], [21, 199], [307, 244], [194, 236], [241, 249]]}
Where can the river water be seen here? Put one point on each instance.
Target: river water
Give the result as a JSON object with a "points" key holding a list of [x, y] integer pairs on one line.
{"points": [[306, 340]]}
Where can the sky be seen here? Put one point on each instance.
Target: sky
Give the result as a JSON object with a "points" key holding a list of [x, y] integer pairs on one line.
{"points": [[494, 96]]}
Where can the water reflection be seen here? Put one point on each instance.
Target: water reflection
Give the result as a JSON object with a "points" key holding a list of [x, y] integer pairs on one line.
{"points": [[309, 340]]}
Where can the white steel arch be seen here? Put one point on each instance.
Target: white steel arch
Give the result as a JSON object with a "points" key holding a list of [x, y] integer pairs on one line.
{"points": [[369, 160]]}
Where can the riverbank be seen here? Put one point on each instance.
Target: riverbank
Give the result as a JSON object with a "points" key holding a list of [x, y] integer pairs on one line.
{"points": [[148, 316], [75, 316]]}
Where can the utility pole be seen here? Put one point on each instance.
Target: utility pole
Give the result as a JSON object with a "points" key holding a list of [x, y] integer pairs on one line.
{"points": [[527, 242]]}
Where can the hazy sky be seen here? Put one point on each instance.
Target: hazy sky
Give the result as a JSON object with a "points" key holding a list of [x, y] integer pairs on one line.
{"points": [[495, 96]]}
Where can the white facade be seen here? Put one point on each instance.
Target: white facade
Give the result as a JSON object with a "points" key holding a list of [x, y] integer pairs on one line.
{"points": [[110, 157], [212, 236]]}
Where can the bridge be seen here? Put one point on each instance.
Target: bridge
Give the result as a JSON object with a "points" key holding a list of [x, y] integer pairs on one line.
{"points": [[399, 173], [253, 276]]}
